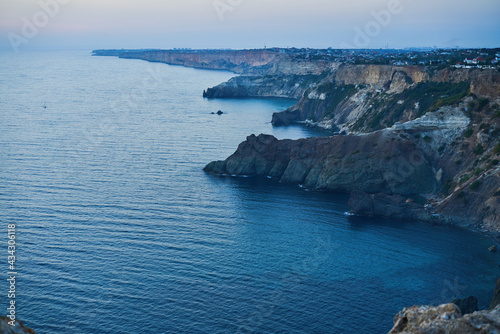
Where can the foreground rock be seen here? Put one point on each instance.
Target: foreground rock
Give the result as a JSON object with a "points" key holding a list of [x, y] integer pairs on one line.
{"points": [[19, 328], [446, 318], [380, 162]]}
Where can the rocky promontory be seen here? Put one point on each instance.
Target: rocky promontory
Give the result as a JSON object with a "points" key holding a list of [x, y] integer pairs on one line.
{"points": [[378, 162], [446, 318], [459, 316], [237, 61]]}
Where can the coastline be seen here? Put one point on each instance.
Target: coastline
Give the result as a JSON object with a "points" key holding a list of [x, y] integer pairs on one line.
{"points": [[446, 120]]}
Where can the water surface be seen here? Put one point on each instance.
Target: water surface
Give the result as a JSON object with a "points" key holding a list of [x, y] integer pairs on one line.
{"points": [[120, 231]]}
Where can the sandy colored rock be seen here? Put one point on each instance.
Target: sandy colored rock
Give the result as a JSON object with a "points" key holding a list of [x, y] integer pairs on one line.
{"points": [[445, 319]]}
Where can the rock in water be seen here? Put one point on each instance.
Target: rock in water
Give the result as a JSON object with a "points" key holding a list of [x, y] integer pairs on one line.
{"points": [[445, 318], [220, 112], [467, 305], [493, 248]]}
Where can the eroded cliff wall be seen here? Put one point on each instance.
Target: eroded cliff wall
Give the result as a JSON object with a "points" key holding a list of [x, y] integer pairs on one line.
{"points": [[238, 61]]}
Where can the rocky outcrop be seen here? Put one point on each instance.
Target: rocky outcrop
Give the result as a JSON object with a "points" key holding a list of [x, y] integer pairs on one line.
{"points": [[19, 328], [282, 77], [383, 77], [446, 318], [475, 201], [389, 206], [484, 83], [447, 118], [258, 86], [379, 162], [457, 166], [460, 316], [364, 98]]}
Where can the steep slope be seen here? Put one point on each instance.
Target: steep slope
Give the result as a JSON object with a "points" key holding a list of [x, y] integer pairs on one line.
{"points": [[364, 98], [283, 86]]}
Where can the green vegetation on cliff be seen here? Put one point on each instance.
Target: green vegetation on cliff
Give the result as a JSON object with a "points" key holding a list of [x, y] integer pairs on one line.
{"points": [[334, 95], [385, 109]]}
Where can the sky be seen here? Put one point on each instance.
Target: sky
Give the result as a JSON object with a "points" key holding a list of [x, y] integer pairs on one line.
{"points": [[238, 24]]}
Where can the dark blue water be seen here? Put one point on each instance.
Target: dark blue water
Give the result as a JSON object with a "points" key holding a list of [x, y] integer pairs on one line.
{"points": [[120, 231]]}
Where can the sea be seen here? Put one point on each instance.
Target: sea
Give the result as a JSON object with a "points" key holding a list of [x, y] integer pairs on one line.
{"points": [[119, 230]]}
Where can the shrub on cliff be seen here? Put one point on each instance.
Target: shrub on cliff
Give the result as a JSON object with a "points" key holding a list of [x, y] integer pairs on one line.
{"points": [[479, 149], [475, 185]]}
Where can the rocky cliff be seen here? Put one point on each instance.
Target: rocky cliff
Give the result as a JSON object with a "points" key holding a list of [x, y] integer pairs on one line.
{"points": [[281, 77], [363, 98], [448, 118], [378, 162], [283, 86], [446, 318], [442, 166], [238, 61], [460, 316]]}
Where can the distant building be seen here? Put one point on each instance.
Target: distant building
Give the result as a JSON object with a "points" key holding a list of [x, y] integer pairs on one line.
{"points": [[478, 60]]}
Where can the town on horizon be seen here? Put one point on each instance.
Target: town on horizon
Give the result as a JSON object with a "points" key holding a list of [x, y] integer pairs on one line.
{"points": [[484, 58]]}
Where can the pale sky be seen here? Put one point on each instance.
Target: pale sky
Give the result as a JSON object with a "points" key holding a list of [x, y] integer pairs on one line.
{"points": [[94, 24]]}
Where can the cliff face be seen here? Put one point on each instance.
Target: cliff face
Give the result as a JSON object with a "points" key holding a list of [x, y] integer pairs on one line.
{"points": [[238, 61], [283, 86], [446, 318], [282, 77], [377, 162], [450, 156], [364, 98]]}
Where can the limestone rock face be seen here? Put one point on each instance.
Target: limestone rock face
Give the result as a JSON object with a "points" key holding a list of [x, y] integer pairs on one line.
{"points": [[238, 61], [445, 318], [19, 328], [378, 162], [257, 86]]}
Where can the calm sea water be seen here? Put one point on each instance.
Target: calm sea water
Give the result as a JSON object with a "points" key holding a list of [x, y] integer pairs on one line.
{"points": [[120, 231]]}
